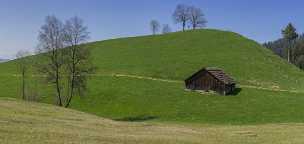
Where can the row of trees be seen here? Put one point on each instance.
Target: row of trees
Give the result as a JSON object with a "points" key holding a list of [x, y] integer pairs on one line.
{"points": [[155, 27], [65, 61], [184, 15], [290, 46]]}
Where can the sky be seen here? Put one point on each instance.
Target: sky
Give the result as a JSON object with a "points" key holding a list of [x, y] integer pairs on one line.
{"points": [[260, 20]]}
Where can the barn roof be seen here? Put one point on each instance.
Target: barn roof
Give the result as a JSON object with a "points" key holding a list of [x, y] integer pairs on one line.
{"points": [[217, 73]]}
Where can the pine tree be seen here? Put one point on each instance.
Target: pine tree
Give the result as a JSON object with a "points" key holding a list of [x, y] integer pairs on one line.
{"points": [[289, 34]]}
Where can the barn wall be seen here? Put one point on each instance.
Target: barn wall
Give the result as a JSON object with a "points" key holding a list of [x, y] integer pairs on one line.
{"points": [[205, 81]]}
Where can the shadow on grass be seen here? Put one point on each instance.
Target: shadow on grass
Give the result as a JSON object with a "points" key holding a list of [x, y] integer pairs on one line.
{"points": [[141, 118], [236, 91]]}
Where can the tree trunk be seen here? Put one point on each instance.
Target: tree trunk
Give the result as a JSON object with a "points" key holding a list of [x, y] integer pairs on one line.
{"points": [[73, 71], [58, 88], [23, 85], [71, 93], [288, 55], [184, 25], [193, 23], [288, 50]]}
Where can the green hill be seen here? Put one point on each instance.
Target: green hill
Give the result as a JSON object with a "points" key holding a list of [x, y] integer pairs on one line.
{"points": [[141, 77], [178, 55]]}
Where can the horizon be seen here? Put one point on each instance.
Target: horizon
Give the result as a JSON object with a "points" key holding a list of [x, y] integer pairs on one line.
{"points": [[109, 19]]}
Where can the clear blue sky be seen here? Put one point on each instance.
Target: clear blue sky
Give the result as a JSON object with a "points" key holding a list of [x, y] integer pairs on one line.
{"points": [[260, 20]]}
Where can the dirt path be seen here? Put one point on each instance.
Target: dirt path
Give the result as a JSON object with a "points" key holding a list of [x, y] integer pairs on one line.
{"points": [[147, 78], [177, 81], [180, 82]]}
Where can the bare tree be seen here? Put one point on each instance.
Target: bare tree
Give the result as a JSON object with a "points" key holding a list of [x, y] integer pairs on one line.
{"points": [[50, 45], [181, 15], [166, 29], [77, 57], [22, 63], [196, 17], [155, 26]]}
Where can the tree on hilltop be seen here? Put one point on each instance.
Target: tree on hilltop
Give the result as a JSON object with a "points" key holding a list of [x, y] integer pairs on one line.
{"points": [[181, 15], [155, 26], [166, 29], [196, 17]]}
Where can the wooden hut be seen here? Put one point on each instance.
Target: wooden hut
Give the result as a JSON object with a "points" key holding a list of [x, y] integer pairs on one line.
{"points": [[211, 79]]}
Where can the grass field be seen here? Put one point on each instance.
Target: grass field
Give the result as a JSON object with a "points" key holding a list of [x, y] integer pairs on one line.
{"points": [[171, 58], [22, 122]]}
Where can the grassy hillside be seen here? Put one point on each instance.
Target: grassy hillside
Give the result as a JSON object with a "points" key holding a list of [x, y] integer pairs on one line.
{"points": [[152, 68], [178, 55], [22, 122]]}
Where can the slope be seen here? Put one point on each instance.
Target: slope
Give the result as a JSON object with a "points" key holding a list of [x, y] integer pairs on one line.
{"points": [[141, 78], [23, 122], [178, 55]]}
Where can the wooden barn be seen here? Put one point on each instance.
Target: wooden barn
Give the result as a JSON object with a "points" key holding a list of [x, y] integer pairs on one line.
{"points": [[211, 79]]}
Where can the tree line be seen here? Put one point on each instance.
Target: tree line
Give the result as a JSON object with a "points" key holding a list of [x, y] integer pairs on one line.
{"points": [[290, 46], [64, 60], [184, 15]]}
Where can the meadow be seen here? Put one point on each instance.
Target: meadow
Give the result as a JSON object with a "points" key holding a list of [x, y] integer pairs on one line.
{"points": [[35, 123], [269, 89]]}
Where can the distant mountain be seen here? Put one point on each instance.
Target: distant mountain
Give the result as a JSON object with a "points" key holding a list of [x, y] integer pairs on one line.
{"points": [[3, 60]]}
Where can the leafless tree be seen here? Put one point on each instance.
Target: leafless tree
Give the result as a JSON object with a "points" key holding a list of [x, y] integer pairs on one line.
{"points": [[22, 63], [50, 45], [196, 17], [155, 26], [181, 15], [166, 29], [77, 57]]}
